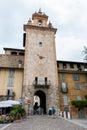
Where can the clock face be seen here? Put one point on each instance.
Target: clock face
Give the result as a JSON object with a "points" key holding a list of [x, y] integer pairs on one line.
{"points": [[40, 58]]}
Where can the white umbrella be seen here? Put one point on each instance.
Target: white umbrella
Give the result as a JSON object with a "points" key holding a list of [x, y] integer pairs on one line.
{"points": [[2, 105], [9, 103], [13, 102]]}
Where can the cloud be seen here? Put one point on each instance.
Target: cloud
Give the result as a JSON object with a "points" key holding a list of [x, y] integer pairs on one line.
{"points": [[68, 16], [69, 48]]}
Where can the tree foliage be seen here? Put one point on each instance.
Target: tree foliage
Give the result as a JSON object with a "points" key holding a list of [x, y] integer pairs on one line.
{"points": [[85, 53], [79, 103], [86, 97]]}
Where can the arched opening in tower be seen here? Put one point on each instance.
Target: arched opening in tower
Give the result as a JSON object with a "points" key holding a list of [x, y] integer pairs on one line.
{"points": [[40, 103]]}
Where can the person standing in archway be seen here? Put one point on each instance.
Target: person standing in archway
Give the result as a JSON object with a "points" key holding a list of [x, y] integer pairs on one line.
{"points": [[53, 111], [36, 108]]}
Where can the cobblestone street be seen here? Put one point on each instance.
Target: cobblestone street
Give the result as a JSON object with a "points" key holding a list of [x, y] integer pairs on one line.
{"points": [[42, 123]]}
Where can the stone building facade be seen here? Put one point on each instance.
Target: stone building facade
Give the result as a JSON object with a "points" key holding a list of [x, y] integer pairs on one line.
{"points": [[40, 67]]}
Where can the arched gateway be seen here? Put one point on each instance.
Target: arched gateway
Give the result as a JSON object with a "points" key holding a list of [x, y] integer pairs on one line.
{"points": [[40, 66], [42, 97]]}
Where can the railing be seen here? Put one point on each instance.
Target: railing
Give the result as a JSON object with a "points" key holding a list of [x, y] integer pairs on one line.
{"points": [[5, 97], [37, 84]]}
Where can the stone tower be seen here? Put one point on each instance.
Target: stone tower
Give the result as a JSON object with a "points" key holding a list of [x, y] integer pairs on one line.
{"points": [[40, 66]]}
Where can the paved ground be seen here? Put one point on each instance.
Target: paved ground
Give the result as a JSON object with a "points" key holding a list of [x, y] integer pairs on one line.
{"points": [[44, 123], [80, 122]]}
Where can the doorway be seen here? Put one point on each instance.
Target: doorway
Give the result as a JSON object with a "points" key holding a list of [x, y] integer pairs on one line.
{"points": [[42, 100], [81, 113]]}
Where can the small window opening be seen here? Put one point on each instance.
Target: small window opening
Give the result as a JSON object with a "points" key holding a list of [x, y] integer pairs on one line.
{"points": [[45, 80], [36, 80], [40, 44], [71, 65], [40, 23], [64, 65], [21, 54], [79, 67], [14, 53]]}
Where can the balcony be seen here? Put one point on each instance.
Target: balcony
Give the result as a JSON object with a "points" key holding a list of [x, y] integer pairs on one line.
{"points": [[6, 97], [43, 84]]}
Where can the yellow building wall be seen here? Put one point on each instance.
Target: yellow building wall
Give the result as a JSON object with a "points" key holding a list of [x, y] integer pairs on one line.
{"points": [[17, 86], [18, 83], [72, 91]]}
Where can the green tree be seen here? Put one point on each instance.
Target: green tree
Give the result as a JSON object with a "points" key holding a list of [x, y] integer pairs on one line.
{"points": [[85, 53]]}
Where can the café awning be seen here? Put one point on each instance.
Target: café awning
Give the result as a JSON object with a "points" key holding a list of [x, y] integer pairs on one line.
{"points": [[9, 103]]}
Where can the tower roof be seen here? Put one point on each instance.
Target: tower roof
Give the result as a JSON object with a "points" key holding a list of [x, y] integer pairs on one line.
{"points": [[39, 15]]}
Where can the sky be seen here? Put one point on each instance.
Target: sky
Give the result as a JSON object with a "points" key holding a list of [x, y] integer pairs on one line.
{"points": [[68, 16]]}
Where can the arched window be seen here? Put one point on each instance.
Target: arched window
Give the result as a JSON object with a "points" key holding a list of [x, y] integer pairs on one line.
{"points": [[40, 23]]}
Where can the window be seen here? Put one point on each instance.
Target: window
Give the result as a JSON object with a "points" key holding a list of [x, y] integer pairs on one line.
{"points": [[14, 53], [64, 65], [72, 65], [40, 44], [9, 94], [86, 77], [46, 80], [65, 100], [85, 66], [79, 67], [21, 54], [40, 23], [78, 97], [75, 77], [11, 78], [62, 76], [11, 82], [36, 79], [11, 73], [64, 87], [77, 86], [41, 80]]}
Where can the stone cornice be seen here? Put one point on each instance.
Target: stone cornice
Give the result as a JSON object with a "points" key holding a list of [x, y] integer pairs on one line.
{"points": [[39, 28]]}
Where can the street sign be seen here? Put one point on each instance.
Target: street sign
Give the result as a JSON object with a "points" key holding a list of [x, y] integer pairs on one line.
{"points": [[28, 101]]}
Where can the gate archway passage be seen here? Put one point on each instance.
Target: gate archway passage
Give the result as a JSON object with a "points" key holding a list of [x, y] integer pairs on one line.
{"points": [[42, 97]]}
